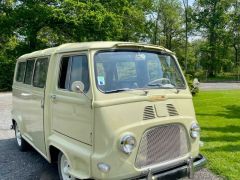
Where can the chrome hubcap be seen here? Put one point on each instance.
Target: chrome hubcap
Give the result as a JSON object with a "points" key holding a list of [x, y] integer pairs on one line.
{"points": [[65, 169], [18, 136]]}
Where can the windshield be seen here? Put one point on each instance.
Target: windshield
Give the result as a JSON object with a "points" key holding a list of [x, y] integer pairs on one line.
{"points": [[127, 70]]}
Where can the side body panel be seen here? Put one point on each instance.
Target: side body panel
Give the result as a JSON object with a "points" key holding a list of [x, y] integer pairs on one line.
{"points": [[28, 113], [71, 114], [68, 121], [36, 125], [77, 153]]}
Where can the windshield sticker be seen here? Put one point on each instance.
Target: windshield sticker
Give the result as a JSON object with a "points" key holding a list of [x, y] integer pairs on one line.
{"points": [[101, 80], [140, 56]]}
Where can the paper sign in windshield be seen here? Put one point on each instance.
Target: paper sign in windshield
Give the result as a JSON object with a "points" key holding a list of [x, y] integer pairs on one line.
{"points": [[140, 56], [101, 80]]}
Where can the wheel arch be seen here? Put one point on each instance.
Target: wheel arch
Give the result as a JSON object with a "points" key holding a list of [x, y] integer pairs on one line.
{"points": [[14, 124], [17, 119], [53, 152], [77, 155]]}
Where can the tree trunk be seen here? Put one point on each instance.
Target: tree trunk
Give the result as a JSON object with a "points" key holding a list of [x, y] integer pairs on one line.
{"points": [[156, 29], [212, 42], [236, 53], [32, 40]]}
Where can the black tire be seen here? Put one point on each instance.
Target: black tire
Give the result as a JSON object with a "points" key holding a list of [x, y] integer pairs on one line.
{"points": [[60, 156], [21, 143]]}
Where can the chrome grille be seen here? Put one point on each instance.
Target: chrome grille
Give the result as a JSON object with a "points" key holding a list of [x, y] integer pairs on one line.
{"points": [[160, 144], [148, 113], [172, 110]]}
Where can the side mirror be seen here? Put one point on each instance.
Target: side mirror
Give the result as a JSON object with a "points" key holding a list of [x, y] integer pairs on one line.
{"points": [[77, 86]]}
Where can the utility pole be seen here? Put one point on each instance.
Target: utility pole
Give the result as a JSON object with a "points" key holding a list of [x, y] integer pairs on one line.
{"points": [[236, 37], [185, 3]]}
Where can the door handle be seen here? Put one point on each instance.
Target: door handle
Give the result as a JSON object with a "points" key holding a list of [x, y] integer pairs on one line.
{"points": [[53, 97], [25, 94]]}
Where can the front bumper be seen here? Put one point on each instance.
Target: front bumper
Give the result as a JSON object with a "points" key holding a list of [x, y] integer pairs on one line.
{"points": [[177, 172]]}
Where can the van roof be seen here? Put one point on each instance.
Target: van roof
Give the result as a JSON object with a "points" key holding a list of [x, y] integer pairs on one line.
{"points": [[71, 47]]}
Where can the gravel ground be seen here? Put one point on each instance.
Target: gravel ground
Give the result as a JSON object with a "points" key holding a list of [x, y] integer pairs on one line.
{"points": [[30, 165], [5, 110]]}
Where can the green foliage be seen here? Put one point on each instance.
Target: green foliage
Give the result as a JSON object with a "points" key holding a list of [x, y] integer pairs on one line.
{"points": [[194, 90], [7, 63], [212, 19], [29, 25], [6, 74], [166, 22], [219, 117]]}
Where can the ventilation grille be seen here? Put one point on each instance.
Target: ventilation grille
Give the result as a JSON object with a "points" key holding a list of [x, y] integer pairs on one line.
{"points": [[161, 144], [148, 113], [172, 110]]}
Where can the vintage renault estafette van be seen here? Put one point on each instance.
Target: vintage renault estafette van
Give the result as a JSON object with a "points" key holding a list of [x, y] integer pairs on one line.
{"points": [[107, 110]]}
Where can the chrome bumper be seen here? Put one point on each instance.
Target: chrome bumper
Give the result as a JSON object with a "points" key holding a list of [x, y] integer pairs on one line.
{"points": [[177, 172]]}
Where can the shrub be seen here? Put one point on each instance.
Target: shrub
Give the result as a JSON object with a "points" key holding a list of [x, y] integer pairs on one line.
{"points": [[189, 78], [6, 74]]}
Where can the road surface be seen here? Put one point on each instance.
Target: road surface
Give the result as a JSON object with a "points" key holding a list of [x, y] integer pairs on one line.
{"points": [[219, 86]]}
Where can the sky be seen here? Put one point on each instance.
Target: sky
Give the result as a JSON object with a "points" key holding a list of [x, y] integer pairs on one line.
{"points": [[191, 2]]}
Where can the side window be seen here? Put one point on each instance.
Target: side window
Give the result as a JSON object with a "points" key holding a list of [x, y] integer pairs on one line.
{"points": [[40, 72], [72, 69], [29, 72], [63, 82], [20, 71], [79, 71]]}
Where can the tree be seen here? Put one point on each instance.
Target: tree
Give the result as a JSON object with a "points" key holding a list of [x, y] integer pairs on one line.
{"points": [[132, 15], [235, 29], [167, 22], [211, 17]]}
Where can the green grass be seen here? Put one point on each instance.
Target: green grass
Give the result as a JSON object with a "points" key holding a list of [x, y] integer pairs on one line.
{"points": [[218, 113]]}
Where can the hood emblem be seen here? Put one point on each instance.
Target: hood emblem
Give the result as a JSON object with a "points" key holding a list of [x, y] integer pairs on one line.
{"points": [[157, 98]]}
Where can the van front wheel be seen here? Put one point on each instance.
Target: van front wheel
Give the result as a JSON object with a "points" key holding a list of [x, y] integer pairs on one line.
{"points": [[22, 144], [64, 167]]}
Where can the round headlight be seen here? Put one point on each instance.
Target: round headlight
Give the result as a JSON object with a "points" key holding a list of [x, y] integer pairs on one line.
{"points": [[127, 143], [195, 130]]}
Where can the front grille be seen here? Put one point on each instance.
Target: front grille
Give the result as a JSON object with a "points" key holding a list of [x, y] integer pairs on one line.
{"points": [[160, 144]]}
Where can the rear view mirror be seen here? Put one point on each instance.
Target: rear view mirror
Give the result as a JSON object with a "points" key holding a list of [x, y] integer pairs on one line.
{"points": [[77, 86]]}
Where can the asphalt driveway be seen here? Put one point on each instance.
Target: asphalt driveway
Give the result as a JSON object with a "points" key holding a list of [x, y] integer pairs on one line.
{"points": [[29, 165], [16, 165], [218, 86]]}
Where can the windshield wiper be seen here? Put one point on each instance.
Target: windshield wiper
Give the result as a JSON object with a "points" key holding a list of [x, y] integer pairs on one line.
{"points": [[118, 90], [165, 87], [156, 85]]}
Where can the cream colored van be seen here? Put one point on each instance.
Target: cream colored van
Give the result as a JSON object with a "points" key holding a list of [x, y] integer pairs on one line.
{"points": [[107, 110]]}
